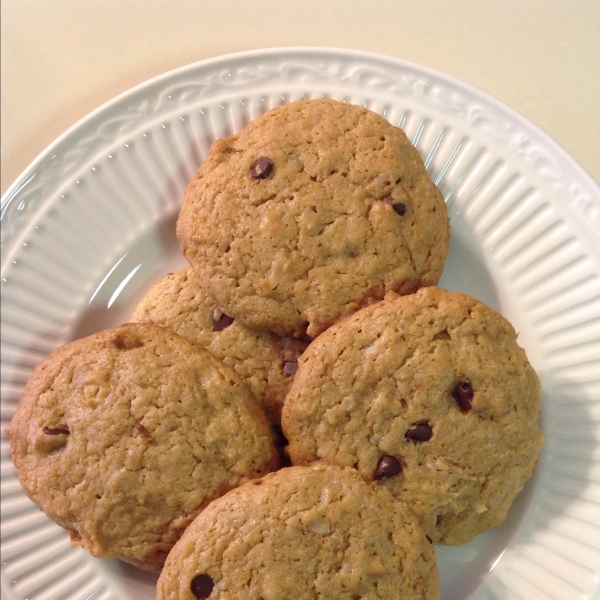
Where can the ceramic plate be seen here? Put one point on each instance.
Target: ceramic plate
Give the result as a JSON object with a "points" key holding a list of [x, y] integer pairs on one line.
{"points": [[91, 225]]}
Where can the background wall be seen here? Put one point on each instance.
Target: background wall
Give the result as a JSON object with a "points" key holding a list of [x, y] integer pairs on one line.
{"points": [[63, 58]]}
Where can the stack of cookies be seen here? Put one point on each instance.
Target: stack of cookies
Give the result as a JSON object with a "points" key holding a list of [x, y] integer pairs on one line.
{"points": [[306, 330]]}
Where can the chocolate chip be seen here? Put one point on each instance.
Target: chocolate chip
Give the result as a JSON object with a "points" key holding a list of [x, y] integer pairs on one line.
{"points": [[202, 586], [261, 168], [388, 466], [429, 539], [463, 394], [421, 433], [56, 430], [290, 367], [223, 322], [399, 208]]}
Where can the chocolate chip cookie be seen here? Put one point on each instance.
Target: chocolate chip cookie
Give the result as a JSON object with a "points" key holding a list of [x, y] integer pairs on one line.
{"points": [[125, 436], [303, 533], [265, 361], [314, 210], [430, 396]]}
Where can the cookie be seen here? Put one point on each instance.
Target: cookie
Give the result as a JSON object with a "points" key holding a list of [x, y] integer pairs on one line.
{"points": [[303, 533], [314, 210], [265, 361], [430, 396], [125, 436]]}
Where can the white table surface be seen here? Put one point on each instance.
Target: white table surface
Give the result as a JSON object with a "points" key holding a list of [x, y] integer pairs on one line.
{"points": [[61, 59]]}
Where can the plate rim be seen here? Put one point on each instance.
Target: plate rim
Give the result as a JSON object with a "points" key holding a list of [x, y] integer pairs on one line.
{"points": [[278, 50], [522, 121]]}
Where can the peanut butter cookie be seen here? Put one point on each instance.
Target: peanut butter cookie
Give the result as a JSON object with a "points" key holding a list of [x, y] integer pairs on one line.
{"points": [[429, 395], [314, 210], [303, 533], [265, 361], [125, 436]]}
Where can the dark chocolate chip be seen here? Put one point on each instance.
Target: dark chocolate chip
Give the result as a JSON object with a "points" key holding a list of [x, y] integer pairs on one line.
{"points": [[421, 433], [222, 323], [463, 394], [202, 586], [429, 539], [290, 367], [399, 208], [56, 430], [388, 466], [261, 168]]}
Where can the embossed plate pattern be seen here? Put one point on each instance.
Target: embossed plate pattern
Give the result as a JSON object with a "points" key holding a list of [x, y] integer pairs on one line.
{"points": [[90, 225]]}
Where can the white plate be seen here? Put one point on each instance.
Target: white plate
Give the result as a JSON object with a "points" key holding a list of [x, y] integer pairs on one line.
{"points": [[90, 225]]}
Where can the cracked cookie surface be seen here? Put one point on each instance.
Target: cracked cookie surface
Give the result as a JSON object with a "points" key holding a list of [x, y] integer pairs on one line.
{"points": [[431, 396], [315, 209], [123, 437], [303, 533], [265, 361]]}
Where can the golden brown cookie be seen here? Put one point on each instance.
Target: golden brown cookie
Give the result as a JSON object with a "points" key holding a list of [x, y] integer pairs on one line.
{"points": [[125, 436], [266, 361], [315, 209], [430, 396], [303, 533]]}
